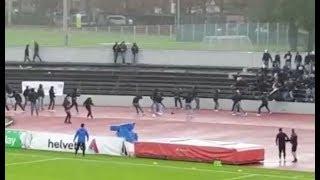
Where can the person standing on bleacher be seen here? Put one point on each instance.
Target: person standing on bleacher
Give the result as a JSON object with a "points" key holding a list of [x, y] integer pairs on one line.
{"points": [[298, 60], [36, 52], [26, 54], [134, 50], [123, 51], [115, 50], [288, 57], [266, 57]]}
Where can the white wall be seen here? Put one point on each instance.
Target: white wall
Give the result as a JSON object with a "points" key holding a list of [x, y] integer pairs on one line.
{"points": [[205, 103]]}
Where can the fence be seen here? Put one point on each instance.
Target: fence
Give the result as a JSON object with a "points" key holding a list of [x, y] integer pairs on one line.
{"points": [[262, 35]]}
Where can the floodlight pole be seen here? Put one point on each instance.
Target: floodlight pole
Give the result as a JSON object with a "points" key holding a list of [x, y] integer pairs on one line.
{"points": [[178, 14], [9, 10], [65, 21]]}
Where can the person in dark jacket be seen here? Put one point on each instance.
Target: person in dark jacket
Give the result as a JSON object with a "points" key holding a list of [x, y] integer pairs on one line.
{"points": [[87, 104], [237, 103], [135, 103], [134, 50], [188, 99], [177, 97], [26, 96], [266, 57], [115, 49], [18, 100], [123, 50], [26, 54], [265, 102], [52, 98], [67, 106], [215, 99], [307, 59], [196, 97], [36, 51], [155, 105], [281, 139], [294, 142], [288, 57], [277, 61], [9, 92], [298, 60], [33, 97], [158, 100], [7, 107], [40, 97], [74, 95]]}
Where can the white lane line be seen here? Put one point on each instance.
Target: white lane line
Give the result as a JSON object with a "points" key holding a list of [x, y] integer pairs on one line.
{"points": [[160, 166], [32, 162], [242, 177]]}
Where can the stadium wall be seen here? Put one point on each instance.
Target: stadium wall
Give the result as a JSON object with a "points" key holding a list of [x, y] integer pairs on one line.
{"points": [[164, 57], [205, 103]]}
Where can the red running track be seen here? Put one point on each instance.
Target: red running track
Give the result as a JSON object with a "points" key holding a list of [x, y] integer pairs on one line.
{"points": [[205, 124]]}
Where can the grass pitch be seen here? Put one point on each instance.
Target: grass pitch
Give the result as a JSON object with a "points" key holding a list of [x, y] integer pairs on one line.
{"points": [[20, 36], [42, 165]]}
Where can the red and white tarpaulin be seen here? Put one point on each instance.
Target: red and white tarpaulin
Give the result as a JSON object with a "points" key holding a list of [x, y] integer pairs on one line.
{"points": [[199, 150]]}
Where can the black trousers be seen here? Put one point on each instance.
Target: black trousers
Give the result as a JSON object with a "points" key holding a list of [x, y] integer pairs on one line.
{"points": [[74, 103], [216, 104], [233, 106], [26, 57], [18, 104], [137, 106], [282, 149], [51, 104], [26, 99], [82, 146], [261, 106], [176, 100], [115, 55], [36, 55], [89, 111], [7, 108], [134, 57], [68, 117]]}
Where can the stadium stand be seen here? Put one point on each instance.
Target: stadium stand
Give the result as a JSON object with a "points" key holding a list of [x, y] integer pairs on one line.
{"points": [[114, 79]]}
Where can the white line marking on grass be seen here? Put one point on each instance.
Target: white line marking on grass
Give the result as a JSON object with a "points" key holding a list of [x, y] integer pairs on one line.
{"points": [[161, 166], [33, 162], [242, 177]]}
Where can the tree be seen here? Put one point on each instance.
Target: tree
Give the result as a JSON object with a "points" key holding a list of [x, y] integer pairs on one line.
{"points": [[297, 13]]}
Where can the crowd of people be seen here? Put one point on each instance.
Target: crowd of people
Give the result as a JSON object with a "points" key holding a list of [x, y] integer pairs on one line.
{"points": [[121, 49], [286, 80], [290, 82], [36, 98]]}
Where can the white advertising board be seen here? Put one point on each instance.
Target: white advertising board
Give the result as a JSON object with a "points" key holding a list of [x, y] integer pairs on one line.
{"points": [[58, 86], [64, 143]]}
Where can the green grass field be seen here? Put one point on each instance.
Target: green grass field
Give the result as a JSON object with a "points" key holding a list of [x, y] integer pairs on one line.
{"points": [[15, 36], [42, 165]]}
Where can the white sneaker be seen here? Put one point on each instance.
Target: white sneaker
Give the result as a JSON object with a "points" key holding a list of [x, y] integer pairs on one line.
{"points": [[258, 114], [233, 114], [153, 115], [216, 110], [270, 112], [245, 114]]}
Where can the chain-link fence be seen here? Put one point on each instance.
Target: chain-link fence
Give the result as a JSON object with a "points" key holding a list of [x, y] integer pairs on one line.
{"points": [[259, 36]]}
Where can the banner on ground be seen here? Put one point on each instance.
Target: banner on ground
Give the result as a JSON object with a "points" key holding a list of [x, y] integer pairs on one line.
{"points": [[17, 139], [64, 142], [58, 86]]}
